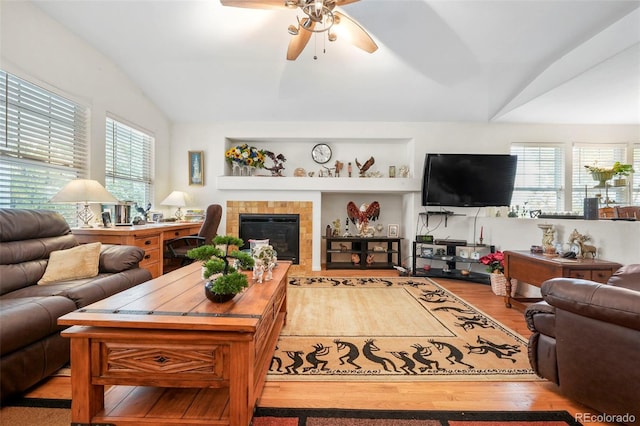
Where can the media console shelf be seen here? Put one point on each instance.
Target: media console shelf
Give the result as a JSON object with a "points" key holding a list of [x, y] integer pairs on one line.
{"points": [[445, 213], [451, 253], [363, 252]]}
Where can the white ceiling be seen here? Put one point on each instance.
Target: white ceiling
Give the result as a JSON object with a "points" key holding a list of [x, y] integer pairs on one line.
{"points": [[556, 61]]}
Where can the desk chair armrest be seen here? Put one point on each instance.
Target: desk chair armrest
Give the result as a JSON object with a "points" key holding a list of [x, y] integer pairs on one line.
{"points": [[193, 241]]}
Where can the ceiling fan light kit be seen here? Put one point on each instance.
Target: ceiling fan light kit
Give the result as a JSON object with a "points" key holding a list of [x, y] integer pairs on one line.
{"points": [[319, 16]]}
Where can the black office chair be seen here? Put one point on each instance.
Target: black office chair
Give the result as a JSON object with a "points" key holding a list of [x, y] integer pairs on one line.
{"points": [[177, 248]]}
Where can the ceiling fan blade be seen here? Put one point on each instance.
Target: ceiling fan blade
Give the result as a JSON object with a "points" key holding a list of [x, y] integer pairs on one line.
{"points": [[299, 42], [255, 4], [343, 2], [355, 33]]}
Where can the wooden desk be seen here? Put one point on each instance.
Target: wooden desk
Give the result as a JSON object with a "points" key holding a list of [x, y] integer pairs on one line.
{"points": [[170, 356], [535, 269], [149, 237]]}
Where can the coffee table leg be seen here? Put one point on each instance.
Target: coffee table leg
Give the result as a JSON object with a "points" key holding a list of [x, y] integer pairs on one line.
{"points": [[241, 392], [87, 399]]}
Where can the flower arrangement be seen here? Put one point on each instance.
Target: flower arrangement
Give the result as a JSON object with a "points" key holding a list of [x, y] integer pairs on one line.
{"points": [[494, 261], [245, 155], [598, 169]]}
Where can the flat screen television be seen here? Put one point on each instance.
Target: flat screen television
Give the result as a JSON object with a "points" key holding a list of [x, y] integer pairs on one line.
{"points": [[468, 180]]}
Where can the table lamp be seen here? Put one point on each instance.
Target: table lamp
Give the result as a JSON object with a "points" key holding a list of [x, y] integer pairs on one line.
{"points": [[176, 199], [85, 192]]}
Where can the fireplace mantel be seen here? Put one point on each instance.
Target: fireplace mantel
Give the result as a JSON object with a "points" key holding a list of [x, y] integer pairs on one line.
{"points": [[320, 184]]}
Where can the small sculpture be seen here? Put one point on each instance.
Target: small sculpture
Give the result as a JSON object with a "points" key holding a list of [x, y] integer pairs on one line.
{"points": [[278, 163], [577, 238], [369, 259], [364, 167], [339, 166], [336, 228], [361, 217], [355, 259]]}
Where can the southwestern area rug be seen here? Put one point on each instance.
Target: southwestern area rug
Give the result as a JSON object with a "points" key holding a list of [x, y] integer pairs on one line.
{"points": [[392, 329], [333, 417]]}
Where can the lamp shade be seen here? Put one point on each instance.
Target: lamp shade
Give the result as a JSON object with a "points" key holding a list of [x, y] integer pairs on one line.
{"points": [[84, 191], [176, 198]]}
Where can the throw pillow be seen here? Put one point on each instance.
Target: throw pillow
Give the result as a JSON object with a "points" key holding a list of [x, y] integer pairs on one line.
{"points": [[72, 264]]}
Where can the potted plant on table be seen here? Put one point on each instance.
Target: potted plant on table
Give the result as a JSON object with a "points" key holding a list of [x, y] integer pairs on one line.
{"points": [[223, 281], [495, 267]]}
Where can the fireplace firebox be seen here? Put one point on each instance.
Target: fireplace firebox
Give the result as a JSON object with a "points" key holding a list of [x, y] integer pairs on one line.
{"points": [[282, 230]]}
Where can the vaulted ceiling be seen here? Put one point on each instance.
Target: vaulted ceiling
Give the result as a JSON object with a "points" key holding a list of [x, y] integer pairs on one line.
{"points": [[555, 61]]}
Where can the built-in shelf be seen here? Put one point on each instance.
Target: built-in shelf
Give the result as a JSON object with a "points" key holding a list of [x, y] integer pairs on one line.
{"points": [[320, 184]]}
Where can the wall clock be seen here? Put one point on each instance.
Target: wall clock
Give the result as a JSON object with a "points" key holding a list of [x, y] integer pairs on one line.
{"points": [[321, 153]]}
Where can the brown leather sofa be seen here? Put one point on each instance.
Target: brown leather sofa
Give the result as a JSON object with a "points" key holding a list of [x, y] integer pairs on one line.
{"points": [[586, 340], [31, 347]]}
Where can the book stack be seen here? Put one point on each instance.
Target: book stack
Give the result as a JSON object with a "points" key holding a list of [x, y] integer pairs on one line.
{"points": [[194, 215]]}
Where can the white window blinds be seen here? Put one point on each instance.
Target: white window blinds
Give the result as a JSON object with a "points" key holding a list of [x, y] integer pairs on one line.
{"points": [[635, 182], [540, 177], [43, 145], [128, 162], [583, 182]]}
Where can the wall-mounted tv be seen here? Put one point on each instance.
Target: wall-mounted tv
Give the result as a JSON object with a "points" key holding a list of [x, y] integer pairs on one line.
{"points": [[468, 180]]}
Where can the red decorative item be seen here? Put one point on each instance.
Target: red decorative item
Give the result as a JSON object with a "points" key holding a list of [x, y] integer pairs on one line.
{"points": [[494, 261]]}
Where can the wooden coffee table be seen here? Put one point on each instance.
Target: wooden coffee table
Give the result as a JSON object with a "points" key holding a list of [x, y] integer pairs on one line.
{"points": [[169, 356]]}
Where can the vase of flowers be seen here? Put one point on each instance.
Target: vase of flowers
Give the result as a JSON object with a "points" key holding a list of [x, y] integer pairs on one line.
{"points": [[495, 267], [245, 159], [600, 174]]}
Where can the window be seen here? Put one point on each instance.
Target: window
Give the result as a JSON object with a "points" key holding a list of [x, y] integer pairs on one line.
{"points": [[539, 179], [635, 183], [43, 145], [128, 163], [583, 183]]}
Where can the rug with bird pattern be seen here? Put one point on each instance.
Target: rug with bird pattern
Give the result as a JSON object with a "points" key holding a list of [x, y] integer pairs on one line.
{"points": [[391, 329]]}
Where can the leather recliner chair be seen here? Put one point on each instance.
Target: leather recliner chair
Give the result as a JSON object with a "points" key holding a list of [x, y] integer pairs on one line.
{"points": [[586, 340]]}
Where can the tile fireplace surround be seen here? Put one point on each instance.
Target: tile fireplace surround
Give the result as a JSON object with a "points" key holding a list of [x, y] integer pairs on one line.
{"points": [[303, 208]]}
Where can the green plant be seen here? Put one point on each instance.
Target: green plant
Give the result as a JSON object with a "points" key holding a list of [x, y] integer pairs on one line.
{"points": [[216, 258], [622, 169]]}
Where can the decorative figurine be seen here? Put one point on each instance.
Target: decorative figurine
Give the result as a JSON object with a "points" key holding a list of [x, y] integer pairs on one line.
{"points": [[548, 234], [278, 163], [370, 259], [339, 166], [579, 240], [361, 217], [364, 167], [336, 228]]}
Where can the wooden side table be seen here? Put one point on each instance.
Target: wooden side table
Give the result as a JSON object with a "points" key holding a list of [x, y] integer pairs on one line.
{"points": [[535, 269]]}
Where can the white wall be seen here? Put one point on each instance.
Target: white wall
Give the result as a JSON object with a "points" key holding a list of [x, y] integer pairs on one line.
{"points": [[38, 49], [408, 144]]}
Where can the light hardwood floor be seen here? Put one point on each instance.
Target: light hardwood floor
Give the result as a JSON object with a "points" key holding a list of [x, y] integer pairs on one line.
{"points": [[458, 396]]}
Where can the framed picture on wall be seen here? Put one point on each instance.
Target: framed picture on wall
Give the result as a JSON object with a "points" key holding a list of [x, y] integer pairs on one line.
{"points": [[393, 231], [196, 168]]}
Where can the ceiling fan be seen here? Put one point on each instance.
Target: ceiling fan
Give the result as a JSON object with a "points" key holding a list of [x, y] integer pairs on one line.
{"points": [[319, 16]]}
